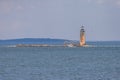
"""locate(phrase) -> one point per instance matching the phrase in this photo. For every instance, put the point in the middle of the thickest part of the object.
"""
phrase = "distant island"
(28, 41)
(48, 42)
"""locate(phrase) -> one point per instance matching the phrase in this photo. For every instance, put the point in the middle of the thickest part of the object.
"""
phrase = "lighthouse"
(82, 36)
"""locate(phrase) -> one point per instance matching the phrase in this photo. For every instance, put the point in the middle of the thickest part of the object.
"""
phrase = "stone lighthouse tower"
(82, 36)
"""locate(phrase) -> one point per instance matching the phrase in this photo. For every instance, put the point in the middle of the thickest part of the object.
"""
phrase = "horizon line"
(60, 39)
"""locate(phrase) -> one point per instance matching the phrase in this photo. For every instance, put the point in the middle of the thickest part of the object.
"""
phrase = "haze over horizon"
(60, 19)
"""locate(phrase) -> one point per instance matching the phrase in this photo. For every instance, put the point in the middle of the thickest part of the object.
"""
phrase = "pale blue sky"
(60, 19)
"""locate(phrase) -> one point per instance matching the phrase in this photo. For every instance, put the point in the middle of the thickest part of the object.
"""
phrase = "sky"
(60, 19)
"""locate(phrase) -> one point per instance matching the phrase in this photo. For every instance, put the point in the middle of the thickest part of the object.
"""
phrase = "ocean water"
(99, 61)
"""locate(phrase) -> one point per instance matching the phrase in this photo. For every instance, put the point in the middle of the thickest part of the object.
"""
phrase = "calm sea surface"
(98, 62)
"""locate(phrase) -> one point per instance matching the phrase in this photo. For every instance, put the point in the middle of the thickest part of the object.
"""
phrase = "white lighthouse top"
(82, 27)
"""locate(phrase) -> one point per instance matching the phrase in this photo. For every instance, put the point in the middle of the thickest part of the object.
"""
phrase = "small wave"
(104, 46)
(8, 46)
(11, 46)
